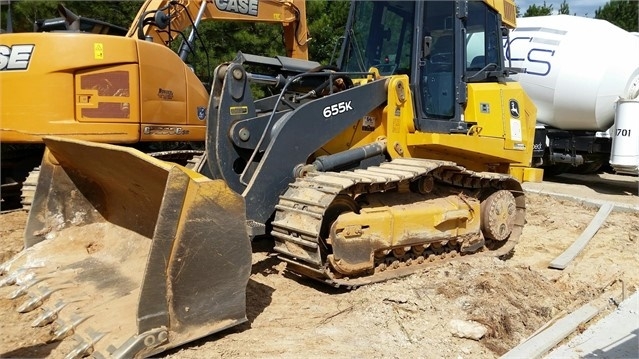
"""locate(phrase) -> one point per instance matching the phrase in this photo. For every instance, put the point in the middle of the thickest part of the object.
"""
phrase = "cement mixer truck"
(583, 76)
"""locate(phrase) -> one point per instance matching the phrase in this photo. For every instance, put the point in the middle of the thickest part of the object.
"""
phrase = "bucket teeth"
(19, 292)
(127, 245)
(36, 299)
(4, 267)
(20, 275)
(142, 342)
(82, 350)
(24, 288)
(8, 280)
(49, 315)
(11, 278)
(85, 348)
(67, 328)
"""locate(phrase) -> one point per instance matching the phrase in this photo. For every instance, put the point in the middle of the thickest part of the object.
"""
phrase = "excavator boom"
(290, 13)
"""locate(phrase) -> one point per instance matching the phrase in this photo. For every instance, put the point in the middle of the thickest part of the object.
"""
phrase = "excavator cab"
(68, 21)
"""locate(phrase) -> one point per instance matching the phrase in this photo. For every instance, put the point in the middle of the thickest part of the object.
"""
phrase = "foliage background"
(222, 39)
(623, 13)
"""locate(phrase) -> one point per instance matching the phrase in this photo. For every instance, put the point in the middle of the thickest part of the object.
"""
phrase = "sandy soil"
(408, 317)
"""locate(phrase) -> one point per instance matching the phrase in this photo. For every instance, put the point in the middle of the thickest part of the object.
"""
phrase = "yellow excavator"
(73, 79)
(408, 152)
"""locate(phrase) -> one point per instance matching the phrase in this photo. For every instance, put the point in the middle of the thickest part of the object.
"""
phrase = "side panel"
(173, 100)
(502, 111)
(487, 146)
(37, 83)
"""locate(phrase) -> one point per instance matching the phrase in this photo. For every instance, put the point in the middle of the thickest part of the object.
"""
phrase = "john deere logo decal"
(514, 108)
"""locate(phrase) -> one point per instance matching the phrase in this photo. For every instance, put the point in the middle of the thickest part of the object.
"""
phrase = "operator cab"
(441, 45)
(68, 21)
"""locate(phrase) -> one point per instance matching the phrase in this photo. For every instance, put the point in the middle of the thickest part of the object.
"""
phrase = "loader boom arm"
(298, 134)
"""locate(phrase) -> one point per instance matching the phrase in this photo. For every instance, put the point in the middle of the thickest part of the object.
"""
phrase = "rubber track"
(300, 211)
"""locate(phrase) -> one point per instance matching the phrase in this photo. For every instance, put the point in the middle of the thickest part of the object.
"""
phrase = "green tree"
(120, 13)
(564, 9)
(623, 13)
(536, 10)
(219, 42)
(326, 20)
(25, 13)
(222, 40)
(326, 23)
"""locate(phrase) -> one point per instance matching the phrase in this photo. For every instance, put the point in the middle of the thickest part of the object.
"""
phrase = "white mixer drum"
(625, 138)
(576, 69)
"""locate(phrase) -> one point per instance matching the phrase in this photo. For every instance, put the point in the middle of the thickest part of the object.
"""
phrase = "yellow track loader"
(409, 152)
(133, 89)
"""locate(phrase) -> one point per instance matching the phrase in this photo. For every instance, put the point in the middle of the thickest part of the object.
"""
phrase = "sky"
(579, 7)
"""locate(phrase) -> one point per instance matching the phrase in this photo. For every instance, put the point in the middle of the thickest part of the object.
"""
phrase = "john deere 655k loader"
(410, 152)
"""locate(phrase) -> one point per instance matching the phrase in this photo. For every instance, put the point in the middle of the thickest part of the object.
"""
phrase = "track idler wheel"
(498, 213)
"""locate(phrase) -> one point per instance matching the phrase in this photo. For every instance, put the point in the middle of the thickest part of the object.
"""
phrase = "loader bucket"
(130, 255)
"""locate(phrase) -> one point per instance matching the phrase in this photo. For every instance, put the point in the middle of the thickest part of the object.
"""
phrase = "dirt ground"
(408, 317)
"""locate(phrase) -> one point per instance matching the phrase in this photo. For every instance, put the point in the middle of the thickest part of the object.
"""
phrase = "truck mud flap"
(126, 255)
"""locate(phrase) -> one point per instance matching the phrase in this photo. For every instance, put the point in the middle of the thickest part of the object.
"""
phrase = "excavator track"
(182, 157)
(306, 211)
(28, 188)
